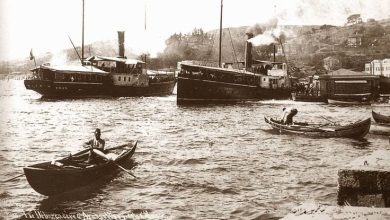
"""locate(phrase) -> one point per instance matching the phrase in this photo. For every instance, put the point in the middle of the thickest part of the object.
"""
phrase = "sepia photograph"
(195, 109)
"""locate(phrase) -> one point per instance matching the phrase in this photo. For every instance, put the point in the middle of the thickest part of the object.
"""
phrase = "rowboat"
(300, 97)
(72, 172)
(354, 130)
(347, 102)
(380, 118)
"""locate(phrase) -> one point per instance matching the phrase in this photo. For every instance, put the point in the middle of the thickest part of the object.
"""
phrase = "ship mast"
(82, 38)
(220, 37)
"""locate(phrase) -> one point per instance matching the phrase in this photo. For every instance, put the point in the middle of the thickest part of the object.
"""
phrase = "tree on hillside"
(354, 19)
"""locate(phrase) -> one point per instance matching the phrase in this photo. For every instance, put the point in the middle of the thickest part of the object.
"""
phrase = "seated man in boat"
(96, 143)
(288, 114)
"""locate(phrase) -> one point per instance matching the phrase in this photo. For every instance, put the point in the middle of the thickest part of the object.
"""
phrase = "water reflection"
(361, 144)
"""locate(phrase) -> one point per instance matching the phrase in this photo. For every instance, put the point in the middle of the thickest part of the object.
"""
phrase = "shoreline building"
(347, 85)
(380, 68)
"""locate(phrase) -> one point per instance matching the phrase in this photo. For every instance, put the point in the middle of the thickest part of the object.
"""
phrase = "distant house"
(380, 68)
(354, 41)
(331, 63)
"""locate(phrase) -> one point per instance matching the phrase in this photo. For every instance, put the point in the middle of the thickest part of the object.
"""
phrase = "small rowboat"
(354, 130)
(299, 97)
(347, 102)
(52, 178)
(381, 118)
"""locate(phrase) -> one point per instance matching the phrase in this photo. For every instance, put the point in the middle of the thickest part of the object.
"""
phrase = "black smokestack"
(248, 52)
(121, 43)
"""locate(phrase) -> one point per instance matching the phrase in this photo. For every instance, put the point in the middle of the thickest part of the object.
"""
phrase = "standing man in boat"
(96, 143)
(288, 114)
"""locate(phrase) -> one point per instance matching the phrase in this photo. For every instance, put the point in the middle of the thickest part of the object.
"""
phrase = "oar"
(328, 129)
(101, 154)
(327, 119)
(14, 178)
(321, 126)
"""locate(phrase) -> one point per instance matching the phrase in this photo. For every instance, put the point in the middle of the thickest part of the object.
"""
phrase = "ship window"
(119, 78)
(124, 78)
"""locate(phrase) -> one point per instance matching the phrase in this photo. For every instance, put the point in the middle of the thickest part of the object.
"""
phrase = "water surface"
(192, 162)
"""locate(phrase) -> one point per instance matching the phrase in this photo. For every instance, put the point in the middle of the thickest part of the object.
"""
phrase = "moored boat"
(100, 76)
(338, 101)
(255, 80)
(73, 172)
(354, 130)
(379, 118)
(203, 84)
(300, 97)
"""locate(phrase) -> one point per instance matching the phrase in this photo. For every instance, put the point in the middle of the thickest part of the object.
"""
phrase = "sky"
(44, 25)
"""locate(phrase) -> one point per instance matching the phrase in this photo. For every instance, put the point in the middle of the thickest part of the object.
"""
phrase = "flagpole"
(33, 57)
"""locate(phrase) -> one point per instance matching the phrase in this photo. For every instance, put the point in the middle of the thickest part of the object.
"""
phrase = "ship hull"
(154, 89)
(192, 91)
(50, 89)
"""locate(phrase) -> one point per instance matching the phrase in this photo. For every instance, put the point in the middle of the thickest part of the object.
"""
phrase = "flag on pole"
(31, 55)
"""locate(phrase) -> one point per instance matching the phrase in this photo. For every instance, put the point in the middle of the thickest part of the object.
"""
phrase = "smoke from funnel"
(255, 30)
(268, 37)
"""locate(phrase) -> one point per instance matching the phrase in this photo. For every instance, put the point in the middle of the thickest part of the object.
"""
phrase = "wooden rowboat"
(380, 118)
(347, 102)
(354, 130)
(52, 178)
(299, 97)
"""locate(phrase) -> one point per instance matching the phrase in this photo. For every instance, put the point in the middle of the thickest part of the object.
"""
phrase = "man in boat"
(288, 114)
(96, 143)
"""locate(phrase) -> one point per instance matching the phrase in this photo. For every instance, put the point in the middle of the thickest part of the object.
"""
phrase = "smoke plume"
(272, 34)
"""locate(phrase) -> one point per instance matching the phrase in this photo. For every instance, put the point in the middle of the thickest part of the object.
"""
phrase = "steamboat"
(257, 80)
(100, 76)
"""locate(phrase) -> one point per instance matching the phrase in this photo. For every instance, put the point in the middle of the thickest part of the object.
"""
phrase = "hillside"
(305, 47)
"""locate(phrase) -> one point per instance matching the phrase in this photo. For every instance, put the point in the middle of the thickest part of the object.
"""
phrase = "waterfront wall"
(366, 181)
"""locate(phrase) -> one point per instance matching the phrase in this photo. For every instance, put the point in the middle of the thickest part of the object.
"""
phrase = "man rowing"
(96, 143)
(287, 115)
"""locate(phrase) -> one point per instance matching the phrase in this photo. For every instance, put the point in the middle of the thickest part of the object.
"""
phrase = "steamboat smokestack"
(121, 43)
(248, 52)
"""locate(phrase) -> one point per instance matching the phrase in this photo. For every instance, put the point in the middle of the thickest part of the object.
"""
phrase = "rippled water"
(193, 162)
